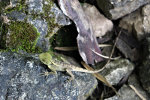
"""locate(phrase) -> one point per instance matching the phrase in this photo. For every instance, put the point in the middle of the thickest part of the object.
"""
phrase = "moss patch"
(3, 4)
(50, 17)
(3, 31)
(21, 6)
(23, 36)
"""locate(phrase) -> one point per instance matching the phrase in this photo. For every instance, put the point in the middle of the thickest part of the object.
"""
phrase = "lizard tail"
(85, 70)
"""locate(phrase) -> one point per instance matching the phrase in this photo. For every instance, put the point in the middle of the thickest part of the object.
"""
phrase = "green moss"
(3, 31)
(23, 36)
(20, 6)
(49, 19)
(22, 32)
(3, 4)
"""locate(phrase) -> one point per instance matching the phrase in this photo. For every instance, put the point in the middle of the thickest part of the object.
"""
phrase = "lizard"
(56, 65)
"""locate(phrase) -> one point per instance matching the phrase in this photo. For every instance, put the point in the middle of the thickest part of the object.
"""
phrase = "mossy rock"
(22, 36)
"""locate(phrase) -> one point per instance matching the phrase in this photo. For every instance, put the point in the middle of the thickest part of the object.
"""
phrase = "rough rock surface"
(144, 70)
(21, 79)
(138, 22)
(134, 80)
(129, 94)
(116, 70)
(43, 15)
(126, 94)
(115, 9)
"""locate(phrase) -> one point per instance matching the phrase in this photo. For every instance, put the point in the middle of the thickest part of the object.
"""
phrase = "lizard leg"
(53, 72)
(52, 69)
(70, 73)
(48, 73)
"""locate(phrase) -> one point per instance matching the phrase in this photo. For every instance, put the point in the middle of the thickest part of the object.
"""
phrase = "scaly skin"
(57, 65)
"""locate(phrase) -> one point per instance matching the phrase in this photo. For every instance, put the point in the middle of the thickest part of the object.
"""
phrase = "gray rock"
(146, 18)
(134, 80)
(115, 9)
(137, 22)
(144, 70)
(43, 15)
(126, 94)
(35, 6)
(21, 79)
(129, 94)
(116, 70)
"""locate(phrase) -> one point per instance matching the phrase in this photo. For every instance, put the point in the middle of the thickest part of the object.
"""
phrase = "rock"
(116, 9)
(128, 45)
(100, 24)
(127, 93)
(116, 70)
(20, 78)
(134, 80)
(34, 20)
(146, 18)
(144, 70)
(137, 22)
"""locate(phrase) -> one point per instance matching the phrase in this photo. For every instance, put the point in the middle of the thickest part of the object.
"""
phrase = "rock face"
(115, 9)
(21, 79)
(144, 70)
(34, 20)
(28, 26)
(127, 93)
(137, 23)
(116, 70)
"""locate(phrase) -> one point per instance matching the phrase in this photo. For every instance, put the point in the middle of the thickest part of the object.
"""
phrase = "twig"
(106, 57)
(137, 92)
(99, 77)
(111, 51)
(66, 48)
(75, 48)
(104, 45)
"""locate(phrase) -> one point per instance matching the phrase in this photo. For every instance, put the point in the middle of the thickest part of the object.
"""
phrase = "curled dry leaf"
(100, 24)
(85, 39)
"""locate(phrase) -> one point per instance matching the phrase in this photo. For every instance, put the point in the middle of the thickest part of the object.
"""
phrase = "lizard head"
(45, 58)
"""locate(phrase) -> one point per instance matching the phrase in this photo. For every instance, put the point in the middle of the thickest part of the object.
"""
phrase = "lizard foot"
(70, 73)
(69, 80)
(48, 73)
